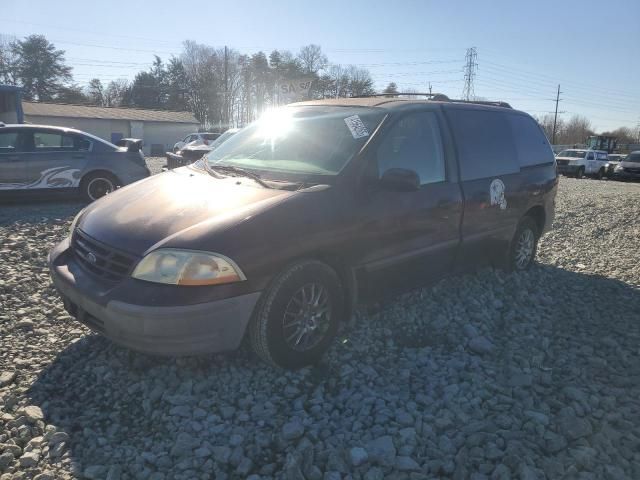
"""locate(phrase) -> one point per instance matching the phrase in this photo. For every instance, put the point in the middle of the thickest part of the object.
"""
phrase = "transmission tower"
(470, 68)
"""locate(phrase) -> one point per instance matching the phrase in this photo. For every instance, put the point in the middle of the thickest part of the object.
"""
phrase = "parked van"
(281, 230)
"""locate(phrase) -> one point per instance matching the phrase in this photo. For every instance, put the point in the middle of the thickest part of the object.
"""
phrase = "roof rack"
(439, 97)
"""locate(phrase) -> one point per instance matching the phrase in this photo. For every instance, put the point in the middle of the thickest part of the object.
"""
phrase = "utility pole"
(429, 88)
(226, 87)
(470, 67)
(555, 118)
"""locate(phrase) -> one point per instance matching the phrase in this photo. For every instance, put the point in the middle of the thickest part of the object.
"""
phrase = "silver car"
(46, 159)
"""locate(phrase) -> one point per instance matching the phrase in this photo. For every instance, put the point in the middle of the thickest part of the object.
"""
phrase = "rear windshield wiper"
(241, 172)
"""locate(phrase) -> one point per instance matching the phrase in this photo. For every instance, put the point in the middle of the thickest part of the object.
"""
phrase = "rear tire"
(97, 185)
(524, 245)
(298, 315)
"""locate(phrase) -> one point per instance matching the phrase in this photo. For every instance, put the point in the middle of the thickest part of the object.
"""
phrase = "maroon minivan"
(280, 231)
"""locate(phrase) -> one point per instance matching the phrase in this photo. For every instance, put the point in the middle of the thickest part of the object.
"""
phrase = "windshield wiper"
(241, 172)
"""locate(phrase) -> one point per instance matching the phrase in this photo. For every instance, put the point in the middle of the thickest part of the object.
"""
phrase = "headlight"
(618, 168)
(187, 267)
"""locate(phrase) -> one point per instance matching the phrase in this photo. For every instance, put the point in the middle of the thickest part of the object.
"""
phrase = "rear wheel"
(524, 245)
(298, 315)
(98, 184)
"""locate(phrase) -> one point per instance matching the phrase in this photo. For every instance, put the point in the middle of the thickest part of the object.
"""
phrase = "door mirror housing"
(400, 180)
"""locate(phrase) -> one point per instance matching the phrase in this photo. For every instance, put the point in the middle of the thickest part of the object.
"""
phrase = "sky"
(524, 49)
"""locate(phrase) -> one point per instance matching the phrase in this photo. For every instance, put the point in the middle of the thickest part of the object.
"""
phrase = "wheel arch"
(345, 272)
(96, 171)
(538, 215)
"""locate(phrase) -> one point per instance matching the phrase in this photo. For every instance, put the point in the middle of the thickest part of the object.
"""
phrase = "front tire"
(298, 315)
(524, 246)
(97, 185)
(580, 173)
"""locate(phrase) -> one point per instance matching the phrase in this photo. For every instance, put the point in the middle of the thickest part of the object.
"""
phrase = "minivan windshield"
(305, 140)
(573, 153)
(633, 158)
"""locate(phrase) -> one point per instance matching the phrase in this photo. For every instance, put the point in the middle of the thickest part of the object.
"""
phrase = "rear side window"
(485, 143)
(531, 144)
(8, 142)
(55, 142)
(414, 143)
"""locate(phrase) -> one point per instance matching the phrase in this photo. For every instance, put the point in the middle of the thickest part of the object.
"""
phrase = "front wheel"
(298, 315)
(580, 173)
(600, 174)
(523, 246)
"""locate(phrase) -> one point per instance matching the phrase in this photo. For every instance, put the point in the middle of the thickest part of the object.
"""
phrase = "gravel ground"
(488, 375)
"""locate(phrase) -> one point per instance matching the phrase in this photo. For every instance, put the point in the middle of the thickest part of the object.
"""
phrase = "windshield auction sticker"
(357, 128)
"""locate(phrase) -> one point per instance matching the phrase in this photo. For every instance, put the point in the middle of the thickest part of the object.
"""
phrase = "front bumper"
(209, 327)
(568, 169)
(626, 175)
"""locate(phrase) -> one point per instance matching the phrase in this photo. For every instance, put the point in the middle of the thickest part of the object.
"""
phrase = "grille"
(562, 162)
(100, 259)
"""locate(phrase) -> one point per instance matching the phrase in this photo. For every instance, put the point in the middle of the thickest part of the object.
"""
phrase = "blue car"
(46, 159)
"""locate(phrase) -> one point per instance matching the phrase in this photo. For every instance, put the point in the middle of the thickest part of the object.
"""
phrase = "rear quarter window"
(484, 142)
(532, 145)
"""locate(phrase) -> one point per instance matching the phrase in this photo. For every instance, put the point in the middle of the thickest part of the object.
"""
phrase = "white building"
(159, 129)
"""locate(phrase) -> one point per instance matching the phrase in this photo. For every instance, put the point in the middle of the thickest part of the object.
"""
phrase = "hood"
(182, 204)
(629, 164)
(569, 158)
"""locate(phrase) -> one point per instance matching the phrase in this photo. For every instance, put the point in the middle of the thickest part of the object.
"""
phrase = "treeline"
(221, 86)
(578, 128)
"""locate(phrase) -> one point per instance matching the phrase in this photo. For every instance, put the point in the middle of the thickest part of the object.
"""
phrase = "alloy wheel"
(524, 249)
(307, 317)
(99, 187)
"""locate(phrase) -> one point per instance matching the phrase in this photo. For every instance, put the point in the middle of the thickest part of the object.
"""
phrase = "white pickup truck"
(578, 163)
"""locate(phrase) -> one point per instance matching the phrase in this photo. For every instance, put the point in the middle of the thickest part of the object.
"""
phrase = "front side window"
(590, 156)
(414, 143)
(293, 141)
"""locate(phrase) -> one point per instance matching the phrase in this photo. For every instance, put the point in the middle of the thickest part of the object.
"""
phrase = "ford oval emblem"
(91, 258)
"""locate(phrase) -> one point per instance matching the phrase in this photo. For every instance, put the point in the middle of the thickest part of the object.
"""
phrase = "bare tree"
(576, 130)
(95, 92)
(312, 59)
(623, 134)
(116, 93)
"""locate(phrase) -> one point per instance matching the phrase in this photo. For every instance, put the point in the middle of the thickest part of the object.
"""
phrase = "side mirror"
(400, 180)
